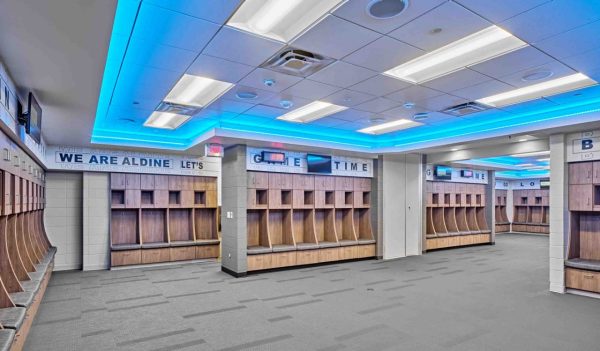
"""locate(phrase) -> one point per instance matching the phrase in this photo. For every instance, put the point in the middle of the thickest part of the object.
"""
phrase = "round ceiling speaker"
(246, 95)
(537, 75)
(385, 9)
(286, 104)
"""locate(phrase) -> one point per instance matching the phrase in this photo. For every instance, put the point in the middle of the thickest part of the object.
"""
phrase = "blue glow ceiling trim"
(112, 131)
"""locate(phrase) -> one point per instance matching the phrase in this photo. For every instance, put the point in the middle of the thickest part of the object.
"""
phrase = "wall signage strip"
(458, 175)
(295, 162)
(98, 160)
(583, 146)
(520, 184)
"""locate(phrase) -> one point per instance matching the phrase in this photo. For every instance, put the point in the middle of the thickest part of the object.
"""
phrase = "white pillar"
(559, 212)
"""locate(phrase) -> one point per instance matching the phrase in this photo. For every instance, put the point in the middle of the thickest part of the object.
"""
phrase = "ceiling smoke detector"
(286, 104)
(296, 62)
(385, 9)
(465, 109)
(537, 75)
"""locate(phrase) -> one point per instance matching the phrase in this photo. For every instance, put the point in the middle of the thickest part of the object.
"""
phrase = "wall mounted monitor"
(272, 157)
(33, 124)
(466, 173)
(442, 173)
(318, 163)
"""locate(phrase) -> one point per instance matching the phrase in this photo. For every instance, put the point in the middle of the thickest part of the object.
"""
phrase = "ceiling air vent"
(296, 62)
(178, 109)
(465, 109)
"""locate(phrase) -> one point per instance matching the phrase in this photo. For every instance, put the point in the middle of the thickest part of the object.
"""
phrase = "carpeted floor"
(477, 298)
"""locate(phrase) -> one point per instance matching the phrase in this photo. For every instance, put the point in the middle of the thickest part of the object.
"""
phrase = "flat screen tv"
(443, 172)
(466, 173)
(318, 163)
(33, 124)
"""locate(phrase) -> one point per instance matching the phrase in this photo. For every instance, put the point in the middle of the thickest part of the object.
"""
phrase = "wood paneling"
(183, 253)
(154, 226)
(258, 180)
(581, 197)
(147, 182)
(581, 173)
(180, 225)
(205, 223)
(124, 227)
(156, 255)
(125, 258)
(132, 181)
(207, 251)
(117, 181)
(582, 280)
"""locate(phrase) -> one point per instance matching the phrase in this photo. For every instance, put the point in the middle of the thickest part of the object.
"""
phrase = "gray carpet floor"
(476, 298)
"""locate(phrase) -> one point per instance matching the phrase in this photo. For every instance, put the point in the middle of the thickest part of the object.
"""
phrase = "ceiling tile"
(573, 42)
(342, 74)
(214, 11)
(265, 111)
(518, 60)
(351, 115)
(355, 11)
(403, 112)
(257, 77)
(414, 93)
(149, 53)
(377, 105)
(220, 69)
(586, 62)
(552, 18)
(173, 28)
(228, 105)
(441, 102)
(353, 125)
(536, 105)
(383, 54)
(328, 122)
(335, 37)
(498, 11)
(482, 90)
(238, 46)
(446, 17)
(310, 89)
(348, 98)
(145, 82)
(438, 117)
(380, 85)
(577, 96)
(262, 95)
(457, 80)
(558, 69)
(296, 101)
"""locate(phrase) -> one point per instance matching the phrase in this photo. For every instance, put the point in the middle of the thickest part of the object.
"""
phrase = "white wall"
(558, 212)
(400, 194)
(96, 223)
(63, 218)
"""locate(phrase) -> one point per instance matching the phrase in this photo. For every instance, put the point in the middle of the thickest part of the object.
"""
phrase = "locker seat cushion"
(579, 263)
(31, 285)
(120, 247)
(283, 248)
(182, 243)
(430, 236)
(208, 242)
(366, 241)
(348, 242)
(22, 299)
(441, 235)
(37, 275)
(466, 233)
(326, 244)
(307, 246)
(6, 339)
(257, 250)
(12, 317)
(487, 231)
(154, 245)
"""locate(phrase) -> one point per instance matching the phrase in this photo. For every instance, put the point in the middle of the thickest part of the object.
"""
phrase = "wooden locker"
(211, 183)
(132, 181)
(324, 183)
(147, 182)
(581, 197)
(187, 183)
(132, 198)
(258, 180)
(596, 169)
(117, 181)
(175, 182)
(199, 183)
(161, 198)
(344, 183)
(303, 182)
(187, 198)
(161, 182)
(581, 173)
(211, 198)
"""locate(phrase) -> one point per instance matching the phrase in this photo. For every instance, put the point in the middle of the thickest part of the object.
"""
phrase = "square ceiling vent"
(465, 109)
(297, 62)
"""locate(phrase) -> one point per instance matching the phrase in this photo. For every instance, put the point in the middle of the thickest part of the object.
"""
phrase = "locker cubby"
(325, 227)
(257, 228)
(309, 197)
(286, 197)
(147, 198)
(280, 230)
(329, 198)
(154, 226)
(124, 227)
(261, 197)
(117, 198)
(348, 198)
(200, 198)
(174, 198)
(180, 225)
(205, 224)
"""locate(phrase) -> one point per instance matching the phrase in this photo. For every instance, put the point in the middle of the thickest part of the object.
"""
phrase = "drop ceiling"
(155, 42)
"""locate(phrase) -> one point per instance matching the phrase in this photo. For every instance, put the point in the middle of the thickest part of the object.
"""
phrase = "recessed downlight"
(246, 95)
(537, 75)
(386, 9)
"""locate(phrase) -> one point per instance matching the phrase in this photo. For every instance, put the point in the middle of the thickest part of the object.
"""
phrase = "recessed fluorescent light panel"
(280, 20)
(390, 127)
(532, 92)
(311, 112)
(197, 91)
(475, 48)
(165, 120)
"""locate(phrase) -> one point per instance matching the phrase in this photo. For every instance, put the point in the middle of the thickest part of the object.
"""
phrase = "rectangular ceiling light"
(475, 48)
(530, 154)
(165, 120)
(281, 20)
(532, 92)
(311, 112)
(390, 127)
(197, 91)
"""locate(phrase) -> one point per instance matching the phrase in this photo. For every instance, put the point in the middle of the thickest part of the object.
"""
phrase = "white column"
(559, 213)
